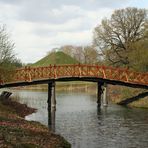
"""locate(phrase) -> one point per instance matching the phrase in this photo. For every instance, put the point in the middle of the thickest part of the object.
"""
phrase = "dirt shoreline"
(16, 132)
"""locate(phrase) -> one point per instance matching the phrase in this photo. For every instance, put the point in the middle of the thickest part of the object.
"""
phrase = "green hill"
(56, 58)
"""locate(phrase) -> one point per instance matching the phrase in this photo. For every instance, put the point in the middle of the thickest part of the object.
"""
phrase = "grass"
(56, 58)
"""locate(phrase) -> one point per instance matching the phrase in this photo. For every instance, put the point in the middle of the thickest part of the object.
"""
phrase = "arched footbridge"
(79, 72)
(50, 74)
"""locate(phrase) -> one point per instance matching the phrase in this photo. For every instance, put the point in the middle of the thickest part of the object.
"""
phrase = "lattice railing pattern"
(62, 71)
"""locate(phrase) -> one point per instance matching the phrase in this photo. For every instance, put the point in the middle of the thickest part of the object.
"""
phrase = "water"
(84, 126)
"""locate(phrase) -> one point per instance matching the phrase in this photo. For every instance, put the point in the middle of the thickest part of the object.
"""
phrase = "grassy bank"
(89, 87)
(119, 93)
(15, 132)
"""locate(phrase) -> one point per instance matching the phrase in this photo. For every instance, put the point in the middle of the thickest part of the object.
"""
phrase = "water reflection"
(78, 119)
(51, 118)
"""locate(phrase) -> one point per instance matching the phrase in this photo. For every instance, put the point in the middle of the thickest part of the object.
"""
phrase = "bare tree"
(68, 49)
(74, 51)
(7, 56)
(8, 61)
(90, 55)
(116, 35)
(83, 54)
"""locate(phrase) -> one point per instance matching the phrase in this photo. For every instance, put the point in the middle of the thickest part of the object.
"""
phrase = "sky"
(37, 26)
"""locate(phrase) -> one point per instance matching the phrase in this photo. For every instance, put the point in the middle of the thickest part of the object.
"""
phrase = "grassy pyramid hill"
(57, 58)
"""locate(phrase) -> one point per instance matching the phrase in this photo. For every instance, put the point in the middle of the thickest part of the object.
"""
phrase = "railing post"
(25, 72)
(104, 74)
(79, 70)
(55, 72)
(29, 74)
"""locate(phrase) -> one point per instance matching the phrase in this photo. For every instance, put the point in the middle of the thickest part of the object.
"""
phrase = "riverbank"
(15, 131)
(120, 93)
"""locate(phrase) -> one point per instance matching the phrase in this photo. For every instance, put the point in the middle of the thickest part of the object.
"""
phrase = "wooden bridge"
(101, 74)
(95, 73)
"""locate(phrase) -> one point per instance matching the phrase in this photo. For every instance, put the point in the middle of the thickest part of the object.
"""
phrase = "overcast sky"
(37, 26)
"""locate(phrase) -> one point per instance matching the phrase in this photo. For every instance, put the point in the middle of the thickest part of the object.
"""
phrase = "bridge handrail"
(77, 70)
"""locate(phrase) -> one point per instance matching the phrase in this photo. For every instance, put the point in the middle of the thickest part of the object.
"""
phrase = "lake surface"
(79, 121)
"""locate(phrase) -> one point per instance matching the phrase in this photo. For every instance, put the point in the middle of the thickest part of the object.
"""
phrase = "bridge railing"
(79, 70)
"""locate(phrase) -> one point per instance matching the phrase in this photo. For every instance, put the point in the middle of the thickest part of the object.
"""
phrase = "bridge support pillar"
(104, 95)
(99, 91)
(51, 104)
(53, 98)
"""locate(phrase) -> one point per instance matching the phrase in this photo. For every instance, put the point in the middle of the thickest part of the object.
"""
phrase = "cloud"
(54, 15)
(84, 21)
(58, 11)
(56, 3)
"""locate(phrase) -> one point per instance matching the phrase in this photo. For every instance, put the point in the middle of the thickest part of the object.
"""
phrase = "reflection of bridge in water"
(94, 73)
